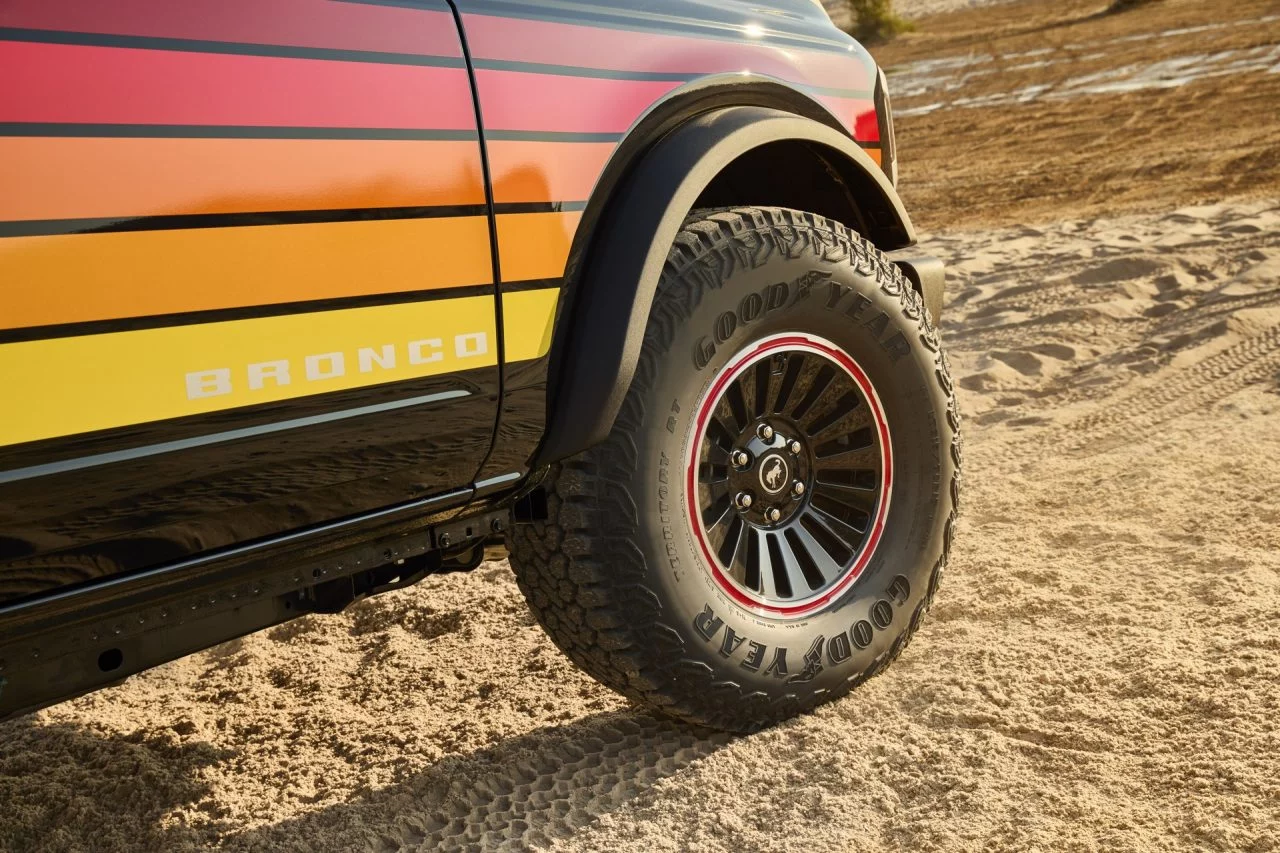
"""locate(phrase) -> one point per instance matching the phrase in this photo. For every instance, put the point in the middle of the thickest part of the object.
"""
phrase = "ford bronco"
(304, 300)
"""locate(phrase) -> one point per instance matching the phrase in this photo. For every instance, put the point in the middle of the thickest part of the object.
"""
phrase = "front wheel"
(767, 522)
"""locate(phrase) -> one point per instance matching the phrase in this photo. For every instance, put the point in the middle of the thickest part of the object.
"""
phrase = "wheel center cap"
(774, 473)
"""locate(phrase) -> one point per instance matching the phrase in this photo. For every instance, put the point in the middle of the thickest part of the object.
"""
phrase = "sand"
(1101, 670)
(1049, 110)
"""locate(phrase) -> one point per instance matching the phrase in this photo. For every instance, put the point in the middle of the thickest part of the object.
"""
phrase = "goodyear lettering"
(755, 656)
(854, 306)
(751, 309)
(812, 663)
(839, 648)
(707, 623)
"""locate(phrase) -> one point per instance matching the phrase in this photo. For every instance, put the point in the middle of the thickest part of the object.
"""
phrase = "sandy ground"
(1101, 670)
(1043, 111)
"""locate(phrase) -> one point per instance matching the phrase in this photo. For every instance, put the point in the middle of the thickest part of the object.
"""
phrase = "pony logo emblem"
(773, 474)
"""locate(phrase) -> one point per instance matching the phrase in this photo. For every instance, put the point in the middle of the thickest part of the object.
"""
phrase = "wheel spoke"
(795, 363)
(738, 404)
(817, 386)
(718, 435)
(710, 472)
(837, 548)
(714, 467)
(856, 449)
(820, 562)
(848, 413)
(836, 519)
(732, 543)
(716, 512)
(751, 568)
(863, 500)
(802, 573)
(768, 576)
(762, 381)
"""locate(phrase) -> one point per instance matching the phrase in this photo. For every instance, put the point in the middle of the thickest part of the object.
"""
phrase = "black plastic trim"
(927, 273)
(613, 288)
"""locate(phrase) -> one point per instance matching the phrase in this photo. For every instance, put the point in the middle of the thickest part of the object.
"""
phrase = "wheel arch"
(692, 151)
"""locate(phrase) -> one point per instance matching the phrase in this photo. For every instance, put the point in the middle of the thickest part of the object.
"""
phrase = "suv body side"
(290, 285)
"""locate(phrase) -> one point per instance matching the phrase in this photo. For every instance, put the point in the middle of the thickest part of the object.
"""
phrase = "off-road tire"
(614, 573)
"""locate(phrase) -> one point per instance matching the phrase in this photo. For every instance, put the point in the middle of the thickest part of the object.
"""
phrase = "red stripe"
(302, 23)
(65, 83)
(515, 100)
(857, 113)
(597, 47)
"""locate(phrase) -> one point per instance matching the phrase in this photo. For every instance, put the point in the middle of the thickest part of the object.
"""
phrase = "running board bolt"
(765, 432)
(743, 500)
(740, 458)
(773, 514)
(793, 446)
(797, 489)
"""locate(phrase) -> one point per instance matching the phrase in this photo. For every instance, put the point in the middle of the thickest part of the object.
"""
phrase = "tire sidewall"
(846, 304)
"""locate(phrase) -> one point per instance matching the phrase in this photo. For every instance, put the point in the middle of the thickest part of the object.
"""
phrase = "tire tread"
(584, 578)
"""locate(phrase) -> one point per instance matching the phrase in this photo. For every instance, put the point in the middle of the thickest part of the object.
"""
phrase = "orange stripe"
(82, 277)
(55, 178)
(874, 154)
(546, 171)
(535, 245)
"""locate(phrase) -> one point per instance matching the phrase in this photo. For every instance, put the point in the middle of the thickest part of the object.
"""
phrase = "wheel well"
(795, 174)
(733, 155)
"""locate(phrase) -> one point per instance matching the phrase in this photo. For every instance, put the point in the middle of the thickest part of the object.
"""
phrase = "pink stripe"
(303, 23)
(63, 83)
(515, 100)
(597, 47)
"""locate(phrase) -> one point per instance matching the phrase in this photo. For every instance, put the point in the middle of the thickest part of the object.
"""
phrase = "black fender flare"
(616, 285)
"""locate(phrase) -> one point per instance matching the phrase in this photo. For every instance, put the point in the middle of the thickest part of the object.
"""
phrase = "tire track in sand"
(1127, 418)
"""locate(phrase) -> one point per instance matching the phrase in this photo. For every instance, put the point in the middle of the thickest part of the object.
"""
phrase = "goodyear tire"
(767, 523)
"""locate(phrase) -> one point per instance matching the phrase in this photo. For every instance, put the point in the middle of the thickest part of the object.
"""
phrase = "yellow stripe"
(82, 277)
(65, 386)
(528, 319)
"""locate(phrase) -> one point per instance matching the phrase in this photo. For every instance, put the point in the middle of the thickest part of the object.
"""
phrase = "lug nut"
(793, 446)
(743, 500)
(740, 458)
(765, 431)
(797, 489)
(773, 514)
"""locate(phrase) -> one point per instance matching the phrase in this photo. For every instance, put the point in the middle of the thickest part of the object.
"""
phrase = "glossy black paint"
(93, 522)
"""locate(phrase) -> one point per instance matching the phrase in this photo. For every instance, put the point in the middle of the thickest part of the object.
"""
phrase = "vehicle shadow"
(522, 792)
(57, 779)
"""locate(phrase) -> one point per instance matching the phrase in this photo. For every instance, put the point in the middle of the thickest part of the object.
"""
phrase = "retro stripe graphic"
(94, 382)
(331, 156)
(132, 86)
(79, 178)
(302, 23)
(109, 276)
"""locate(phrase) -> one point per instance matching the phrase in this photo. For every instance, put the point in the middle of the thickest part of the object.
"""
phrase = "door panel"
(245, 281)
